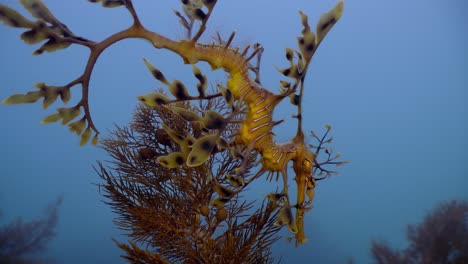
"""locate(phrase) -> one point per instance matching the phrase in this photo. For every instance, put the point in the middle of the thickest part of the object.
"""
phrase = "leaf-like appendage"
(204, 210)
(77, 126)
(277, 198)
(12, 18)
(193, 9)
(236, 181)
(292, 227)
(29, 97)
(201, 150)
(95, 140)
(51, 118)
(172, 134)
(214, 120)
(189, 139)
(223, 191)
(305, 22)
(185, 114)
(289, 54)
(307, 44)
(177, 88)
(53, 44)
(291, 72)
(227, 94)
(310, 191)
(221, 214)
(49, 98)
(202, 81)
(219, 202)
(173, 160)
(65, 94)
(85, 136)
(109, 3)
(154, 99)
(36, 34)
(155, 72)
(285, 217)
(197, 3)
(68, 114)
(38, 10)
(295, 99)
(329, 19)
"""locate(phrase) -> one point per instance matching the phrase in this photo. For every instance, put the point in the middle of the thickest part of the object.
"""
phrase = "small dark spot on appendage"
(301, 41)
(42, 87)
(228, 95)
(158, 75)
(38, 52)
(286, 72)
(179, 160)
(51, 41)
(193, 159)
(215, 123)
(164, 162)
(180, 91)
(200, 14)
(35, 5)
(299, 116)
(226, 193)
(200, 78)
(328, 24)
(185, 2)
(215, 149)
(279, 196)
(206, 146)
(200, 90)
(288, 56)
(310, 47)
(296, 99)
(159, 101)
(30, 34)
(12, 21)
(209, 1)
(297, 73)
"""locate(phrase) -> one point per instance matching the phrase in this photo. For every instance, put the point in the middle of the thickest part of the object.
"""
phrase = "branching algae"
(251, 105)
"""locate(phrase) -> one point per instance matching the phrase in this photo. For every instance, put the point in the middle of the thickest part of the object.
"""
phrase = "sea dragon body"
(255, 132)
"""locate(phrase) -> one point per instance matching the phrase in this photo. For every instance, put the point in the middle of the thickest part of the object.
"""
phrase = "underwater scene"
(204, 131)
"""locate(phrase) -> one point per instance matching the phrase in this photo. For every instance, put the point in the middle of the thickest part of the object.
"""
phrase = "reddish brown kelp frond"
(183, 214)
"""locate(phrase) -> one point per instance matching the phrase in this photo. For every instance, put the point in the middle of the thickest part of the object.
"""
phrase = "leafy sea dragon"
(245, 96)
